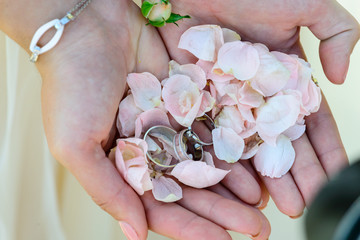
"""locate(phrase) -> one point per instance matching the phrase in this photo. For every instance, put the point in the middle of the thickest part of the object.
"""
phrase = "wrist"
(20, 19)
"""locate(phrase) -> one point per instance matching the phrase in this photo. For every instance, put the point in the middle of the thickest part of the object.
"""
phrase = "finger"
(338, 32)
(325, 138)
(229, 214)
(307, 171)
(266, 228)
(175, 222)
(223, 191)
(239, 181)
(264, 192)
(285, 194)
(102, 181)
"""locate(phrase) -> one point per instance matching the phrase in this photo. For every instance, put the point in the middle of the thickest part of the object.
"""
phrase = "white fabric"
(39, 199)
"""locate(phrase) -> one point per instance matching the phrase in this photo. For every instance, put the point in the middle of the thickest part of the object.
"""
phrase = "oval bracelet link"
(35, 49)
(58, 24)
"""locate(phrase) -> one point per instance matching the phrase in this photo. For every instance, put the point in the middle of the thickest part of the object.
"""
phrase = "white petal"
(295, 131)
(276, 115)
(228, 145)
(276, 161)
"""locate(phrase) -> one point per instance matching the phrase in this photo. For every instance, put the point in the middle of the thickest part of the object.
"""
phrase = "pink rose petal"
(226, 88)
(166, 190)
(272, 75)
(301, 80)
(213, 74)
(239, 59)
(198, 174)
(246, 112)
(248, 96)
(150, 118)
(130, 159)
(139, 179)
(146, 89)
(311, 101)
(292, 65)
(276, 161)
(202, 41)
(230, 117)
(207, 103)
(196, 73)
(128, 112)
(250, 129)
(182, 99)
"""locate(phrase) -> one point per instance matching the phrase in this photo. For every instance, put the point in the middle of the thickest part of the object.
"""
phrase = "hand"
(320, 152)
(83, 83)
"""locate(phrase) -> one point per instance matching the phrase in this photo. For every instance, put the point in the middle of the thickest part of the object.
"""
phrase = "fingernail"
(259, 203)
(128, 231)
(295, 217)
(262, 207)
(252, 236)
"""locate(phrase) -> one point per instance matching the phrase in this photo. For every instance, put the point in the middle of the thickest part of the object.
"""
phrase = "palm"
(276, 24)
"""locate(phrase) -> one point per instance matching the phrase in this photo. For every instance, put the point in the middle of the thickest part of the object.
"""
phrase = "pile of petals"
(257, 98)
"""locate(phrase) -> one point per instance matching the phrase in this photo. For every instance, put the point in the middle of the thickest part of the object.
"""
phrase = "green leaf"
(157, 23)
(165, 1)
(146, 8)
(176, 17)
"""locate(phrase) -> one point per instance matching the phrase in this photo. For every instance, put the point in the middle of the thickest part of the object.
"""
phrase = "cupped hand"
(320, 152)
(84, 79)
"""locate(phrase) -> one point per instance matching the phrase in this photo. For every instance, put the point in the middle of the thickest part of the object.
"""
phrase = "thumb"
(102, 181)
(338, 31)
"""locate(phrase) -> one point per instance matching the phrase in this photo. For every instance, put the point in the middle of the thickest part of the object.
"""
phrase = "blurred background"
(59, 207)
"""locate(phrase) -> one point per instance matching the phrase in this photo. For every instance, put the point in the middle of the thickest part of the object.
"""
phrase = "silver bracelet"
(58, 24)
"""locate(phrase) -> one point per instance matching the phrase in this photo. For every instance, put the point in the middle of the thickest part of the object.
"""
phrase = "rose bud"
(156, 10)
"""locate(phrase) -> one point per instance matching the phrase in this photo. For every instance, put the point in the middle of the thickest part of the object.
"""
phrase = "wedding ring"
(188, 146)
(164, 133)
(209, 123)
(185, 145)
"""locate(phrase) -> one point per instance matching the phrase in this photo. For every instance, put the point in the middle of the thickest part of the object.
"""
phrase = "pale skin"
(84, 81)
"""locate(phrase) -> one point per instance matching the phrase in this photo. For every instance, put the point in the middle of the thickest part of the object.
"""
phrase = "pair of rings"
(186, 145)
